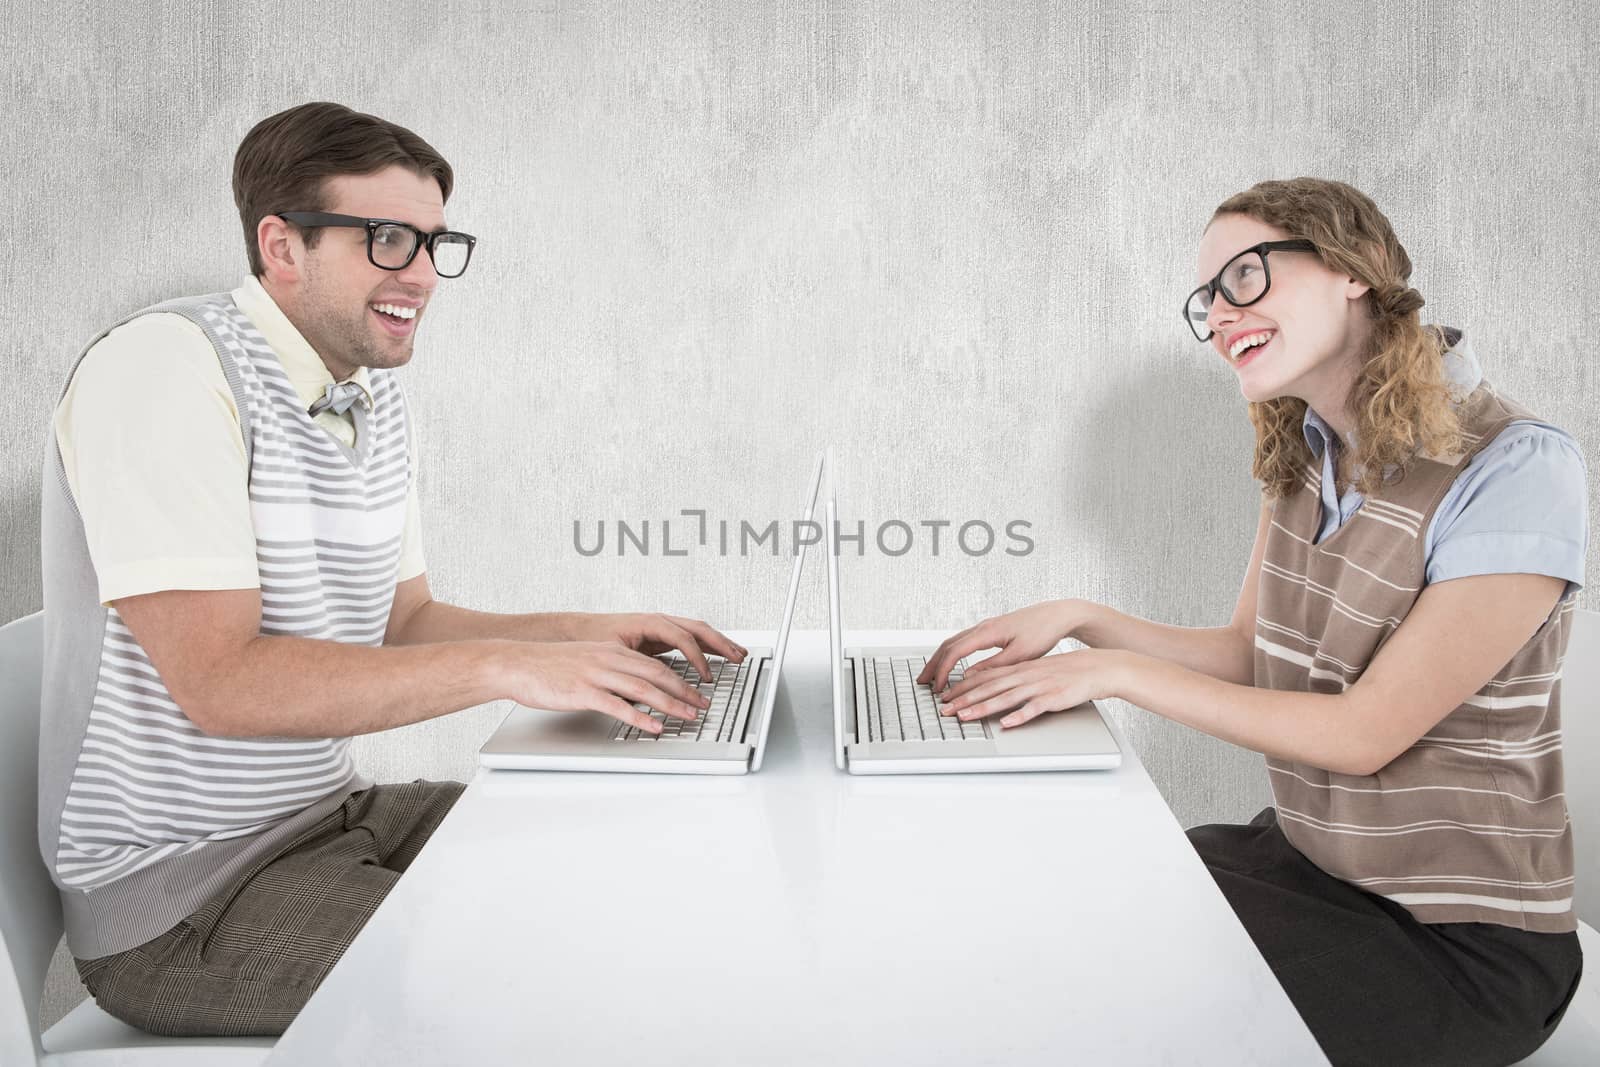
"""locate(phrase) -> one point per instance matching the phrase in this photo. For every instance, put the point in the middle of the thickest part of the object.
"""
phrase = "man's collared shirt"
(154, 455)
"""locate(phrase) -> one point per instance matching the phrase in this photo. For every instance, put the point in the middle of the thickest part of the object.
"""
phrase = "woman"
(1393, 653)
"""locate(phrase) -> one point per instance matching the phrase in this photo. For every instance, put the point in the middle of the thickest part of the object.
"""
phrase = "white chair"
(1576, 1042)
(30, 909)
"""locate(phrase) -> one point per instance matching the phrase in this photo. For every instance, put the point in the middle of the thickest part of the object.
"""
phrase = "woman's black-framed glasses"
(392, 245)
(1242, 281)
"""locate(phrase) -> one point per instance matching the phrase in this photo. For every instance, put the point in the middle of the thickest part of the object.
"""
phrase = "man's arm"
(233, 681)
(417, 618)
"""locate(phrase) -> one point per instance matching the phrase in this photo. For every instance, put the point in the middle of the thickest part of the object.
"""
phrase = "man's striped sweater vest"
(142, 816)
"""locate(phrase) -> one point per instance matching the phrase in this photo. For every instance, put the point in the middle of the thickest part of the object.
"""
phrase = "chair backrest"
(1580, 757)
(30, 909)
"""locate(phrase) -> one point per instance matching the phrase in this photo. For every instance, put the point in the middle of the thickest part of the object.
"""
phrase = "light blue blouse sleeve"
(1520, 506)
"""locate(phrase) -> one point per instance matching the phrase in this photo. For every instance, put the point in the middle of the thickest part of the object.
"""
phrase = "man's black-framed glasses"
(1242, 281)
(392, 245)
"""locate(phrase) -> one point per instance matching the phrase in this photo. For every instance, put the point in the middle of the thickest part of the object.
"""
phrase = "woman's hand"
(1028, 690)
(1025, 634)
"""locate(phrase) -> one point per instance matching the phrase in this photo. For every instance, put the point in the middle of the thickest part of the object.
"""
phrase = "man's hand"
(652, 633)
(598, 676)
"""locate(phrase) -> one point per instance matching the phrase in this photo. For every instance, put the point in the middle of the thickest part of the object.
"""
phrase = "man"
(234, 585)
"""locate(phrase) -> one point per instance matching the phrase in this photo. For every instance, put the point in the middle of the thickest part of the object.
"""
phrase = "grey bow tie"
(339, 398)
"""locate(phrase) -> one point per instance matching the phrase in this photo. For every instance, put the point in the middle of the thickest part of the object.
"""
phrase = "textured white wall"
(951, 241)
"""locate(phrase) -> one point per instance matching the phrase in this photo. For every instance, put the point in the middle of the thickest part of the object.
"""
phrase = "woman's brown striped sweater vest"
(1470, 823)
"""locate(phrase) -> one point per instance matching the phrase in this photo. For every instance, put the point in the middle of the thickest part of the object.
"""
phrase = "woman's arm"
(1456, 637)
(1219, 652)
(1226, 653)
(1512, 527)
(1223, 652)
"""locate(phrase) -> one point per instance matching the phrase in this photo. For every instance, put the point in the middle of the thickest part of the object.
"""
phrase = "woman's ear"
(1373, 253)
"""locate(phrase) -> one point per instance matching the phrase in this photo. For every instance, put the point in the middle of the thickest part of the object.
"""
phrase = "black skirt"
(1374, 985)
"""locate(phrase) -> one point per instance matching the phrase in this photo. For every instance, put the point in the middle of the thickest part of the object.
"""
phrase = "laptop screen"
(835, 624)
(782, 644)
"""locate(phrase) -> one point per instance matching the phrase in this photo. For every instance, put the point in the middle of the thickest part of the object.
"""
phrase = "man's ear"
(282, 250)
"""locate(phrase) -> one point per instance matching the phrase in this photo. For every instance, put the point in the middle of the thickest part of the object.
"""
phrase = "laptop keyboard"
(724, 687)
(898, 709)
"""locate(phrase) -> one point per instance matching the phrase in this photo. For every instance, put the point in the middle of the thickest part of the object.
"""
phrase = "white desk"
(801, 915)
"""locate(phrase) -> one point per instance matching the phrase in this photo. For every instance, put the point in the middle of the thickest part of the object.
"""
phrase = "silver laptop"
(729, 737)
(885, 723)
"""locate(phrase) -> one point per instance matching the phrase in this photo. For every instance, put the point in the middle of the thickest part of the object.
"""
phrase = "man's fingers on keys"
(663, 632)
(680, 638)
(657, 674)
(646, 691)
(614, 706)
(712, 638)
(666, 679)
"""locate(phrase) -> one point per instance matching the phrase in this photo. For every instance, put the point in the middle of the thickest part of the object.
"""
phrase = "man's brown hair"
(283, 163)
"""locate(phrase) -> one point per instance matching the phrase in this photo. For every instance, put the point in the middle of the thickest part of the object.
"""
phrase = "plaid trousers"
(249, 959)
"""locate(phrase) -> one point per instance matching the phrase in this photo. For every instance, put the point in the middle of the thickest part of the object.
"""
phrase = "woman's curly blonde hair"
(1400, 401)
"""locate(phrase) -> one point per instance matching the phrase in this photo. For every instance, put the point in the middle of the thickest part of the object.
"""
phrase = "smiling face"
(1303, 338)
(332, 292)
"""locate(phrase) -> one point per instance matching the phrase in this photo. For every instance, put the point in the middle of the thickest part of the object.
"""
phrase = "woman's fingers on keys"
(1007, 655)
(972, 690)
(958, 690)
(930, 669)
(1006, 700)
(1030, 709)
(937, 672)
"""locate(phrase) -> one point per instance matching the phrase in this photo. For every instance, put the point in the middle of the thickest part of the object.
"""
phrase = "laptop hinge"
(741, 721)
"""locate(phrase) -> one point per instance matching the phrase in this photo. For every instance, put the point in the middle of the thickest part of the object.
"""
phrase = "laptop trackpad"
(530, 730)
(1076, 730)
